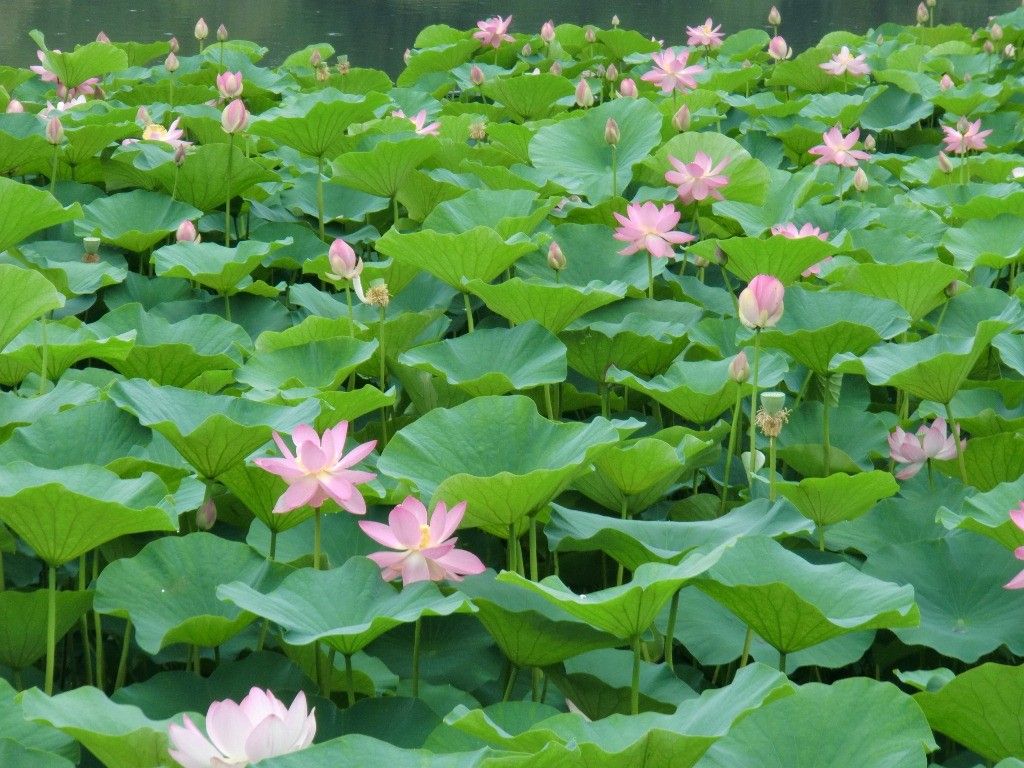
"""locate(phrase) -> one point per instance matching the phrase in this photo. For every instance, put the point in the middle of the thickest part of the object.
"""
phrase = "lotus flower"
(15, 107)
(627, 88)
(913, 451)
(88, 87)
(790, 231)
(739, 368)
(344, 262)
(1017, 515)
(839, 149)
(698, 180)
(649, 228)
(704, 35)
(239, 734)
(547, 31)
(946, 82)
(671, 73)
(968, 137)
(426, 547)
(419, 121)
(494, 31)
(844, 62)
(187, 233)
(235, 117)
(779, 49)
(156, 132)
(319, 470)
(229, 84)
(760, 303)
(201, 31)
(54, 131)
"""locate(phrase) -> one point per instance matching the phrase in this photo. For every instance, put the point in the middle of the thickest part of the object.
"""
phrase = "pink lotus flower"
(229, 84)
(648, 228)
(844, 62)
(40, 69)
(419, 121)
(914, 450)
(187, 233)
(968, 137)
(627, 88)
(739, 368)
(344, 262)
(51, 110)
(760, 303)
(102, 37)
(790, 231)
(235, 117)
(239, 734)
(319, 470)
(54, 131)
(1017, 515)
(547, 31)
(779, 49)
(88, 87)
(201, 31)
(584, 94)
(494, 31)
(698, 180)
(15, 107)
(671, 73)
(426, 546)
(705, 35)
(839, 149)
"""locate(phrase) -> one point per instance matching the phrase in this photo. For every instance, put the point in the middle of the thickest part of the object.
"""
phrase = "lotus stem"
(510, 684)
(964, 177)
(670, 632)
(623, 515)
(535, 685)
(1, 570)
(350, 682)
(821, 537)
(44, 355)
(51, 627)
(955, 428)
(227, 201)
(351, 316)
(83, 623)
(101, 670)
(771, 469)
(753, 408)
(733, 429)
(782, 662)
(320, 194)
(634, 689)
(273, 546)
(394, 211)
(747, 640)
(512, 565)
(227, 307)
(469, 312)
(383, 378)
(547, 402)
(650, 276)
(316, 540)
(170, 91)
(417, 631)
(328, 674)
(53, 170)
(534, 570)
(615, 171)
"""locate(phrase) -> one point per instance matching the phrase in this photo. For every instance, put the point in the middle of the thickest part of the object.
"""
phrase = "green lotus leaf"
(981, 709)
(552, 305)
(354, 748)
(987, 513)
(86, 141)
(212, 432)
(505, 211)
(136, 220)
(67, 342)
(63, 513)
(894, 110)
(793, 604)
(591, 256)
(854, 435)
(204, 180)
(301, 371)
(782, 257)
(340, 203)
(479, 253)
(306, 607)
(437, 58)
(573, 152)
(635, 542)
(918, 287)
(345, 405)
(889, 731)
(61, 263)
(452, 454)
(384, 170)
(17, 411)
(168, 590)
(748, 177)
(493, 361)
(23, 632)
(13, 753)
(225, 270)
(967, 622)
(991, 460)
(77, 66)
(28, 735)
(838, 497)
(28, 295)
(23, 144)
(528, 97)
(986, 242)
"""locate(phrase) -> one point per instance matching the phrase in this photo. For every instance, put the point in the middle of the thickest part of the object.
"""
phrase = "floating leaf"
(136, 220)
(384, 169)
(27, 296)
(225, 270)
(838, 497)
(552, 305)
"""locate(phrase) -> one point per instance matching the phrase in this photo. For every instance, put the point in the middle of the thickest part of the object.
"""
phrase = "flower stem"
(98, 628)
(417, 631)
(227, 201)
(53, 171)
(351, 317)
(383, 379)
(547, 402)
(350, 682)
(733, 429)
(122, 664)
(650, 276)
(170, 91)
(771, 469)
(316, 540)
(534, 569)
(511, 683)
(826, 442)
(320, 193)
(955, 428)
(753, 407)
(634, 689)
(83, 623)
(44, 355)
(51, 627)
(748, 638)
(469, 312)
(615, 171)
(670, 632)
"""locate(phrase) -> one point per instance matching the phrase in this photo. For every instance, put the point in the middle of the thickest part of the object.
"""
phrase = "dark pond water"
(374, 33)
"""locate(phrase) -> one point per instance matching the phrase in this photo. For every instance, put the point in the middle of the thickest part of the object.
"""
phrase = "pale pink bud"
(615, 21)
(612, 73)
(344, 262)
(171, 62)
(860, 180)
(739, 368)
(547, 31)
(173, 43)
(778, 49)
(407, 56)
(235, 117)
(206, 515)
(556, 68)
(202, 31)
(774, 17)
(315, 59)
(995, 32)
(1009, 51)
(760, 303)
(527, 50)
(945, 83)
(15, 107)
(944, 164)
(222, 33)
(230, 84)
(187, 233)
(556, 259)
(179, 154)
(952, 289)
(922, 13)
(611, 132)
(102, 37)
(476, 75)
(627, 88)
(869, 143)
(987, 46)
(590, 34)
(55, 131)
(681, 119)
(584, 96)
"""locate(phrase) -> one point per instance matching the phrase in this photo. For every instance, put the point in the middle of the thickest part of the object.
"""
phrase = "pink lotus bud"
(869, 143)
(774, 17)
(476, 75)
(556, 259)
(860, 180)
(1017, 173)
(527, 50)
(995, 32)
(945, 83)
(584, 96)
(547, 31)
(179, 154)
(944, 164)
(987, 46)
(171, 63)
(55, 131)
(345, 265)
(880, 39)
(202, 31)
(922, 13)
(206, 515)
(612, 73)
(952, 289)
(1009, 51)
(681, 119)
(627, 88)
(222, 33)
(173, 43)
(229, 84)
(760, 303)
(187, 233)
(739, 368)
(611, 132)
(778, 49)
(590, 34)
(15, 107)
(407, 56)
(556, 68)
(615, 21)
(315, 59)
(478, 131)
(235, 117)
(102, 37)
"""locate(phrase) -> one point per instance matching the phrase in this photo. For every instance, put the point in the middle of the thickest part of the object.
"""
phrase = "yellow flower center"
(424, 536)
(154, 132)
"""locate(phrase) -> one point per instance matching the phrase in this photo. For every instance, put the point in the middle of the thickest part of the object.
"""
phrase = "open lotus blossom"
(426, 547)
(494, 31)
(760, 303)
(53, 110)
(671, 73)
(1017, 515)
(844, 62)
(789, 230)
(419, 121)
(649, 228)
(913, 450)
(698, 180)
(705, 35)
(319, 470)
(229, 84)
(839, 149)
(156, 132)
(963, 138)
(258, 727)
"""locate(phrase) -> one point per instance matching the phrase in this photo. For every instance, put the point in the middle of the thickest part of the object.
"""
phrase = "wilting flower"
(419, 122)
(704, 35)
(844, 62)
(627, 88)
(839, 149)
(760, 303)
(319, 470)
(229, 84)
(649, 228)
(789, 230)
(779, 49)
(235, 117)
(698, 180)
(345, 265)
(671, 72)
(239, 734)
(913, 450)
(426, 546)
(1017, 515)
(739, 368)
(968, 137)
(494, 31)
(547, 31)
(187, 233)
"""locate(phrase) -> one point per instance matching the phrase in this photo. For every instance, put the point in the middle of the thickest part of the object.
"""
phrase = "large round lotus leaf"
(136, 220)
(303, 370)
(63, 513)
(493, 361)
(168, 590)
(855, 436)
(838, 497)
(27, 294)
(793, 604)
(982, 708)
(505, 211)
(13, 753)
(818, 325)
(748, 177)
(591, 256)
(881, 727)
(967, 618)
(497, 453)
(916, 286)
(987, 513)
(204, 182)
(635, 542)
(27, 209)
(384, 169)
(782, 257)
(23, 145)
(16, 411)
(528, 96)
(85, 141)
(552, 305)
(23, 630)
(527, 628)
(90, 60)
(574, 153)
(991, 460)
(225, 270)
(306, 605)
(61, 263)
(68, 341)
(355, 749)
(986, 242)
(28, 734)
(340, 203)
(212, 432)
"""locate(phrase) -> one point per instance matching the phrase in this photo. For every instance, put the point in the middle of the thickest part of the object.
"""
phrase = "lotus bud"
(222, 33)
(527, 50)
(343, 65)
(206, 515)
(700, 262)
(869, 143)
(779, 49)
(235, 117)
(760, 303)
(922, 13)
(944, 164)
(612, 73)
(171, 62)
(1017, 173)
(15, 107)
(179, 155)
(476, 75)
(556, 68)
(584, 96)
(173, 44)
(739, 368)
(478, 131)
(615, 21)
(556, 259)
(547, 31)
(860, 180)
(590, 34)
(987, 47)
(721, 257)
(315, 58)
(774, 17)
(995, 32)
(407, 56)
(611, 132)
(945, 83)
(55, 131)
(345, 265)
(187, 233)
(681, 119)
(952, 289)
(102, 37)
(627, 88)
(1009, 51)
(230, 85)
(202, 31)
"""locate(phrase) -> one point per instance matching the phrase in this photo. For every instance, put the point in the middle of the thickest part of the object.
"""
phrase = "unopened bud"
(946, 82)
(179, 155)
(315, 58)
(476, 75)
(615, 20)
(102, 37)
(527, 50)
(612, 73)
(556, 68)
(739, 368)
(407, 56)
(944, 164)
(869, 142)
(547, 31)
(922, 13)
(584, 96)
(774, 17)
(721, 257)
(995, 32)
(15, 107)
(1009, 51)
(222, 33)
(952, 289)
(173, 43)
(556, 259)
(627, 88)
(187, 233)
(206, 515)
(590, 34)
(201, 31)
(987, 46)
(55, 131)
(930, 3)
(681, 119)
(860, 180)
(611, 132)
(171, 62)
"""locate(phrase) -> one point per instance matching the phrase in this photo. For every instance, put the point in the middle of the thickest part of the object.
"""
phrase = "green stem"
(394, 212)
(753, 407)
(634, 688)
(733, 429)
(782, 662)
(826, 443)
(53, 170)
(650, 276)
(350, 683)
(748, 638)
(83, 623)
(803, 390)
(316, 540)
(547, 405)
(771, 469)
(417, 631)
(227, 307)
(170, 91)
(101, 671)
(963, 168)
(351, 316)
(469, 312)
(512, 565)
(670, 632)
(955, 429)
(328, 676)
(534, 570)
(44, 362)
(821, 538)
(273, 546)
(623, 515)
(227, 201)
(615, 171)
(320, 193)
(51, 627)
(535, 685)
(383, 380)
(122, 664)
(510, 684)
